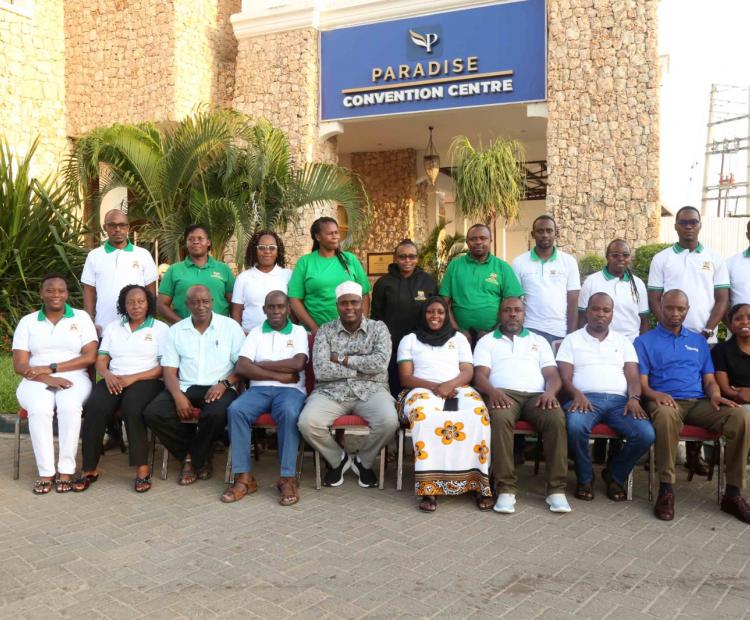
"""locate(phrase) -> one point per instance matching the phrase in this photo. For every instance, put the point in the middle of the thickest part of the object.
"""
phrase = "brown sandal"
(485, 502)
(615, 491)
(187, 475)
(287, 486)
(584, 491)
(428, 503)
(205, 472)
(238, 490)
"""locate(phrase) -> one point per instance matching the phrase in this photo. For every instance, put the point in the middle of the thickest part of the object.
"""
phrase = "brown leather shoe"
(736, 506)
(287, 487)
(664, 508)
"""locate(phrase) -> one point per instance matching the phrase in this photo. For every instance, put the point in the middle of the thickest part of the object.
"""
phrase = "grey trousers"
(320, 412)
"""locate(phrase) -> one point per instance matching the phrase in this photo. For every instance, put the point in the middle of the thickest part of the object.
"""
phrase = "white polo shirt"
(109, 269)
(515, 364)
(738, 267)
(203, 359)
(437, 364)
(697, 273)
(545, 287)
(135, 351)
(251, 288)
(627, 312)
(265, 344)
(598, 365)
(49, 343)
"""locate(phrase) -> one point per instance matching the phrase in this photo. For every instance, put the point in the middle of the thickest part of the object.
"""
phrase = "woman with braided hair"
(265, 271)
(317, 274)
(630, 315)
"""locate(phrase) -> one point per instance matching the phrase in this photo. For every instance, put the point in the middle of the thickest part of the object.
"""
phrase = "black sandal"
(42, 487)
(84, 482)
(428, 504)
(584, 491)
(485, 502)
(141, 485)
(615, 491)
(63, 486)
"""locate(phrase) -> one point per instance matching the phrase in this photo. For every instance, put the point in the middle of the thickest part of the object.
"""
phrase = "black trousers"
(99, 411)
(182, 438)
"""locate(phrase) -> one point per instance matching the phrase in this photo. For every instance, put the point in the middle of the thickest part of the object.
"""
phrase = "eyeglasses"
(688, 222)
(406, 256)
(114, 225)
(267, 247)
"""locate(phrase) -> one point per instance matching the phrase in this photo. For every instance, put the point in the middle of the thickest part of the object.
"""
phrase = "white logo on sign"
(427, 41)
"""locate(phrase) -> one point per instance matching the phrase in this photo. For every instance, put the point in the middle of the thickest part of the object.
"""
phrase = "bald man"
(199, 379)
(112, 266)
(678, 387)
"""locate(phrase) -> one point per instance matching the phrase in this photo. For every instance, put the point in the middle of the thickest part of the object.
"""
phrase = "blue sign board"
(483, 56)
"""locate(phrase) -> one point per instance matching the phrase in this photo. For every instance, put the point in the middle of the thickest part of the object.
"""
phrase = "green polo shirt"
(314, 281)
(476, 290)
(215, 275)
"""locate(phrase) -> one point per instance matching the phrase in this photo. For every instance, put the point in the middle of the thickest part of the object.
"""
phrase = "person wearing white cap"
(350, 362)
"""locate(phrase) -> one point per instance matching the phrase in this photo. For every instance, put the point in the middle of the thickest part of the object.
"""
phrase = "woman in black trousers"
(128, 362)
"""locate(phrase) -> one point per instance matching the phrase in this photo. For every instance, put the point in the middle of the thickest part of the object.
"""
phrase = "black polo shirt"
(729, 358)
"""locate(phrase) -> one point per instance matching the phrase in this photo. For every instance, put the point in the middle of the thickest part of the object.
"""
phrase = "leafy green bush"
(643, 257)
(40, 233)
(439, 250)
(591, 263)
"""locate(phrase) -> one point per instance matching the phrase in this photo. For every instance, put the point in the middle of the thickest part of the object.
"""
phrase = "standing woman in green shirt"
(317, 274)
(199, 267)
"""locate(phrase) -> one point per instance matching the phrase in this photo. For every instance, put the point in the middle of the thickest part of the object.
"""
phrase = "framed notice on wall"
(377, 263)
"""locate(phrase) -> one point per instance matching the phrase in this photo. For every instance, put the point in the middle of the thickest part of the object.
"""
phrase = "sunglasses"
(406, 256)
(267, 247)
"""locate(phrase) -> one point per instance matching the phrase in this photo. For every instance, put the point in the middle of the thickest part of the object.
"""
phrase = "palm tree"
(488, 183)
(214, 167)
(440, 249)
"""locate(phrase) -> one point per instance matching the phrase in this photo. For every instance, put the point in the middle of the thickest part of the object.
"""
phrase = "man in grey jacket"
(350, 361)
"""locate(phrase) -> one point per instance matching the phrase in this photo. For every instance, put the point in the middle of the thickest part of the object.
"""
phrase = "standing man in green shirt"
(199, 267)
(475, 283)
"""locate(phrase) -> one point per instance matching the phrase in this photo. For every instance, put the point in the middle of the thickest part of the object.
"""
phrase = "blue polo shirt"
(674, 365)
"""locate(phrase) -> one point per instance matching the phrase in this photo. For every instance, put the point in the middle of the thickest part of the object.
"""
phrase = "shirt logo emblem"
(451, 344)
(692, 349)
(136, 265)
(534, 348)
(217, 275)
(707, 266)
(290, 344)
(492, 278)
(420, 296)
(74, 327)
(148, 338)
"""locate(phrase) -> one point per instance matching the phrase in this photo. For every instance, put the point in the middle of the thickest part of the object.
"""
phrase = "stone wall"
(602, 133)
(32, 83)
(390, 180)
(277, 79)
(130, 61)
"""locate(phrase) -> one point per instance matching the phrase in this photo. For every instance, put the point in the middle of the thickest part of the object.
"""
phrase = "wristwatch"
(225, 383)
(708, 333)
(53, 367)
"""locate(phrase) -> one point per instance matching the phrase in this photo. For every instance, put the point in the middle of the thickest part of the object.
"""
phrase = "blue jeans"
(284, 404)
(608, 409)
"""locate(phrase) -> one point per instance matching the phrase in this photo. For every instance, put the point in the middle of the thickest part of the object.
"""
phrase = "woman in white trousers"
(52, 349)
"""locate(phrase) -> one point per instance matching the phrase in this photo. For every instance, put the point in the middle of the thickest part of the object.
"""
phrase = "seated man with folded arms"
(273, 358)
(599, 370)
(198, 371)
(350, 361)
(515, 371)
(679, 387)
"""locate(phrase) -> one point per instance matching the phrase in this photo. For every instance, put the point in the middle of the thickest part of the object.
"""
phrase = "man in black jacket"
(397, 298)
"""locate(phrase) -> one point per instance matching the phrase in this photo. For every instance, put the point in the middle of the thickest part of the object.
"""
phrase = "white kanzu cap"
(348, 288)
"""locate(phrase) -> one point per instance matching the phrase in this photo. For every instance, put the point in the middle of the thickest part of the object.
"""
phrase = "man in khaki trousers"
(515, 370)
(679, 387)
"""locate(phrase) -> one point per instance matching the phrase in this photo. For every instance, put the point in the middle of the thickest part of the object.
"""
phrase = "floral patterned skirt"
(451, 448)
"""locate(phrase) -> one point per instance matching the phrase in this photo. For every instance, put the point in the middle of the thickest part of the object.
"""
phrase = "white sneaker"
(557, 502)
(505, 503)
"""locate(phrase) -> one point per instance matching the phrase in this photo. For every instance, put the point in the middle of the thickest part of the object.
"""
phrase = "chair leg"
(17, 448)
(651, 472)
(629, 486)
(538, 454)
(164, 461)
(300, 458)
(151, 450)
(400, 460)
(383, 457)
(722, 474)
(228, 468)
(714, 461)
(318, 484)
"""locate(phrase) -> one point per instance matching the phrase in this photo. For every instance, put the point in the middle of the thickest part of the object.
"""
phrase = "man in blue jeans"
(599, 370)
(273, 357)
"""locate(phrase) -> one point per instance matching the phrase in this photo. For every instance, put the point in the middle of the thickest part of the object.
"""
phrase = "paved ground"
(349, 552)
